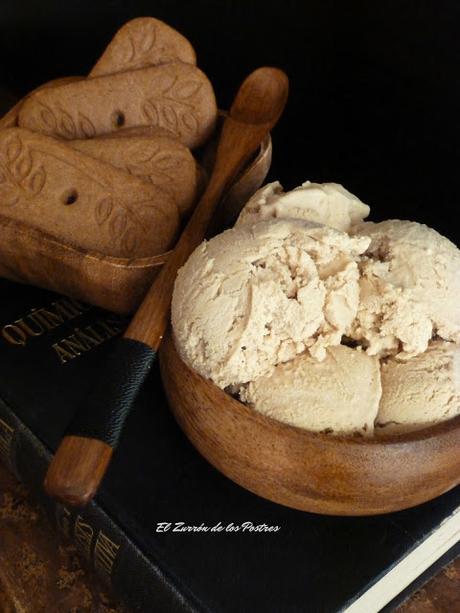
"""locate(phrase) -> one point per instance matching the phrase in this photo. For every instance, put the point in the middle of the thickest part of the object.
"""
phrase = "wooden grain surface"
(40, 574)
(310, 471)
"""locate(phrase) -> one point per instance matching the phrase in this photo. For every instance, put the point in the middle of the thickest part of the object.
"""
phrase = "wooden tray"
(33, 257)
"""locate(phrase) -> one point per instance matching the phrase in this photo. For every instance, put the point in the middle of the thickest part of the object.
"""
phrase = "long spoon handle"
(84, 454)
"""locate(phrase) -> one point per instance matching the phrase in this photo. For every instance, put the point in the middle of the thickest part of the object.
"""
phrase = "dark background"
(374, 86)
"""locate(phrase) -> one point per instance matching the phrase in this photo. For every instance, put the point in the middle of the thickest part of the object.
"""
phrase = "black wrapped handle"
(104, 413)
(85, 452)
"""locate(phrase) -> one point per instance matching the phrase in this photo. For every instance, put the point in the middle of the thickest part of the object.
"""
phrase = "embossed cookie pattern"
(142, 42)
(174, 96)
(10, 119)
(81, 200)
(161, 160)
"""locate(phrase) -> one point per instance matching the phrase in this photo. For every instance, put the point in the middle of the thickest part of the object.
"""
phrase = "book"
(167, 531)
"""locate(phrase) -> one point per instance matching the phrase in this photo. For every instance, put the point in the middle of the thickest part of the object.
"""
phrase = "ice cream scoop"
(409, 288)
(339, 395)
(422, 391)
(258, 295)
(326, 203)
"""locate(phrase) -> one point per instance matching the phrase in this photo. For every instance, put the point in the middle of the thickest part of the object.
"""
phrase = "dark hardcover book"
(145, 533)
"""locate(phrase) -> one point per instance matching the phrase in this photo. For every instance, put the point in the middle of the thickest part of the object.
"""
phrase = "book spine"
(139, 582)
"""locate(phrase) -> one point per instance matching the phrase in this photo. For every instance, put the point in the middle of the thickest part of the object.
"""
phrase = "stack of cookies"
(103, 164)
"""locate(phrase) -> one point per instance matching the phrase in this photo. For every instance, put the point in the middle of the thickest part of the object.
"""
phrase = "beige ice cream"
(326, 203)
(262, 309)
(258, 295)
(339, 395)
(421, 391)
(410, 287)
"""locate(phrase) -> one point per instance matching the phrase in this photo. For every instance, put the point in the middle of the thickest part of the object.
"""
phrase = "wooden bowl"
(33, 257)
(305, 470)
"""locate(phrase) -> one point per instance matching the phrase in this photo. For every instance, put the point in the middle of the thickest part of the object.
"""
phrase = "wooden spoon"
(84, 454)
